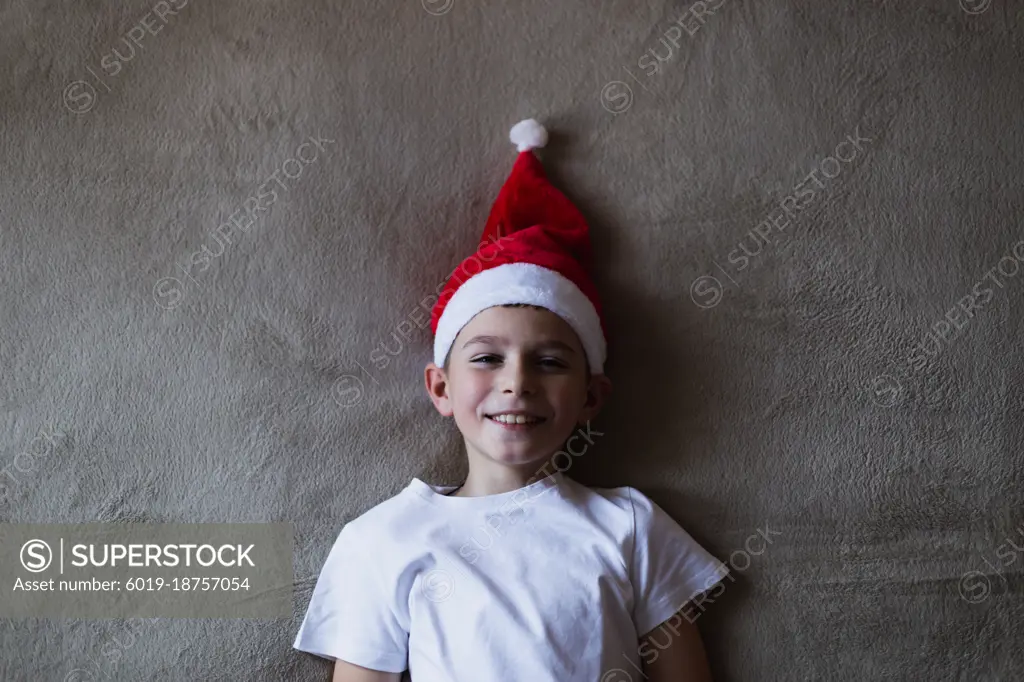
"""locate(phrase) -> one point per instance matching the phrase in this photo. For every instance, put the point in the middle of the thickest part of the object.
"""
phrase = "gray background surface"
(280, 379)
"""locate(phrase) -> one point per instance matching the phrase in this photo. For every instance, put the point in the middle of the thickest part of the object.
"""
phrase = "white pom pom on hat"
(528, 134)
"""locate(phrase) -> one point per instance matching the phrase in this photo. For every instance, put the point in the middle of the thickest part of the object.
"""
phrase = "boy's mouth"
(515, 420)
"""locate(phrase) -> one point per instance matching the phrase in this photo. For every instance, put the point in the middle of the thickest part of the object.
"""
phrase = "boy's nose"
(517, 378)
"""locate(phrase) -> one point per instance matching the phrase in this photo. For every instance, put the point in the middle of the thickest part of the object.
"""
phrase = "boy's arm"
(682, 659)
(347, 672)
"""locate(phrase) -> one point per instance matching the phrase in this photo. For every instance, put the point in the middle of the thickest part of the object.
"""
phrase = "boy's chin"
(520, 458)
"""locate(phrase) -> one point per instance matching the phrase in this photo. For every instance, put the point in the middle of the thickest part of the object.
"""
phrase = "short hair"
(519, 305)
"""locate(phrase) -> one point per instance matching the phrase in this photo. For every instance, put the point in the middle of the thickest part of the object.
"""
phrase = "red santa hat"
(535, 249)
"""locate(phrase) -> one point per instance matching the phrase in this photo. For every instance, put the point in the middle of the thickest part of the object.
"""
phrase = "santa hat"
(535, 249)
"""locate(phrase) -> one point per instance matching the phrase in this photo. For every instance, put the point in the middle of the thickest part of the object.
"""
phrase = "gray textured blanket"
(218, 222)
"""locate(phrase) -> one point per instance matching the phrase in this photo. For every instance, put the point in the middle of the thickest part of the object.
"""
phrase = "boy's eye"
(484, 357)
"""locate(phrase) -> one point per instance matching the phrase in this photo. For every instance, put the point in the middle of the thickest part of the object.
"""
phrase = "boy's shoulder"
(623, 496)
(398, 512)
(638, 509)
(619, 496)
(620, 505)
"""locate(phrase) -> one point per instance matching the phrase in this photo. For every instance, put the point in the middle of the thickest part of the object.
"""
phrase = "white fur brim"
(522, 283)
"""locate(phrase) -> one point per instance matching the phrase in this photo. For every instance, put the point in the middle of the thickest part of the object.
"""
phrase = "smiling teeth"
(514, 419)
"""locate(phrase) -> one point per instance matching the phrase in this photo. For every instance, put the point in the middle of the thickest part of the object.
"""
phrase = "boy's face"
(530, 360)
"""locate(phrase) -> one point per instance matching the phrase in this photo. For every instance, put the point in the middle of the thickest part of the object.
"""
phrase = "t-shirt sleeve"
(668, 568)
(351, 614)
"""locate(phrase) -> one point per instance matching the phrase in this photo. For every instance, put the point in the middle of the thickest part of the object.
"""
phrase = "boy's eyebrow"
(547, 343)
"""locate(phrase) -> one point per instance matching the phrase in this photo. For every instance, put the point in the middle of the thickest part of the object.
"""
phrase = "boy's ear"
(437, 388)
(597, 394)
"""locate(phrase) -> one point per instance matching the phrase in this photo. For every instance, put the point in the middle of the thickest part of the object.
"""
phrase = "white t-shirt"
(553, 582)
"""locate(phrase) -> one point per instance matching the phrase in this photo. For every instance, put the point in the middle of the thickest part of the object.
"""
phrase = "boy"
(520, 574)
